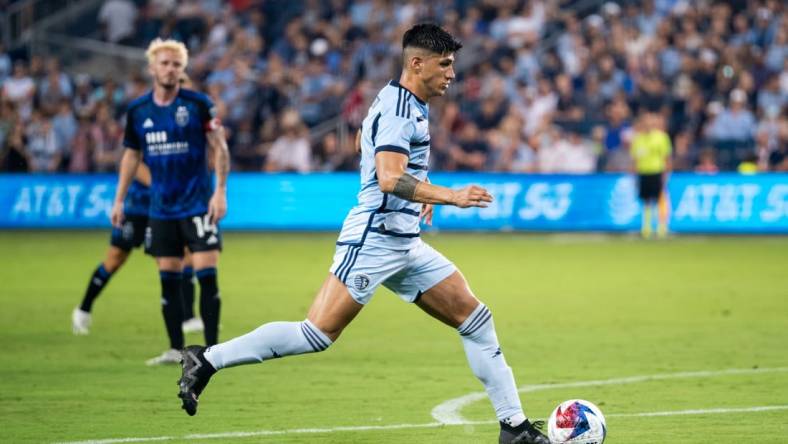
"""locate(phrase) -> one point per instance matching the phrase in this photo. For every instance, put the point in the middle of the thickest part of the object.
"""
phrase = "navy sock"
(210, 304)
(97, 282)
(172, 306)
(187, 288)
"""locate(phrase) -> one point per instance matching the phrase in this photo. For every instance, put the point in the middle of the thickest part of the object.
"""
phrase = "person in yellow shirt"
(651, 149)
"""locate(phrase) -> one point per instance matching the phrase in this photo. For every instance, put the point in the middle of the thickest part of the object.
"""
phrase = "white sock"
(514, 421)
(269, 341)
(488, 364)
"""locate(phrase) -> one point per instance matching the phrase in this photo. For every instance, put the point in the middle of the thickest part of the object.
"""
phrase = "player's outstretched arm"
(128, 168)
(393, 179)
(217, 207)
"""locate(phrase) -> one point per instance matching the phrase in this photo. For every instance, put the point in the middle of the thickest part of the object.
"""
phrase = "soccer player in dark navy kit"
(122, 241)
(124, 238)
(174, 130)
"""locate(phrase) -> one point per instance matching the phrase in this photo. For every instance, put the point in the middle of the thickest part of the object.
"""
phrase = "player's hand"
(426, 213)
(471, 196)
(217, 207)
(116, 216)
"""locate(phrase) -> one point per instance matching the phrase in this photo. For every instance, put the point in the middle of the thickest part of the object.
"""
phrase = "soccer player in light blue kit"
(380, 244)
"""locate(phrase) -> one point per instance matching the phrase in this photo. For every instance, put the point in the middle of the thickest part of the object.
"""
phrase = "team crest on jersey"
(361, 281)
(182, 116)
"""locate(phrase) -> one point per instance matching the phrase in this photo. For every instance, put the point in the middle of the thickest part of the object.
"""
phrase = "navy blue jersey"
(173, 141)
(137, 201)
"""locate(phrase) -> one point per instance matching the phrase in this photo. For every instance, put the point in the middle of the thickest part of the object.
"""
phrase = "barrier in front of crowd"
(721, 203)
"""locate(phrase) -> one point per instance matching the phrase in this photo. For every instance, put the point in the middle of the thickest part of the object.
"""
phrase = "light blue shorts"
(408, 273)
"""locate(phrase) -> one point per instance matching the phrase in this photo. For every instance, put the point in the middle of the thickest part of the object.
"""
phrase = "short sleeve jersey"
(397, 121)
(650, 151)
(173, 141)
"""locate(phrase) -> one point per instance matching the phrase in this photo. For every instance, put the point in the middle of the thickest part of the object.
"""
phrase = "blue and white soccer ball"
(576, 422)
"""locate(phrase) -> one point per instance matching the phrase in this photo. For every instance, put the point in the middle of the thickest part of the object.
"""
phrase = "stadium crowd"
(539, 88)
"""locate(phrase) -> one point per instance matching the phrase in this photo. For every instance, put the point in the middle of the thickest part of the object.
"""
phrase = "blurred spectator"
(83, 103)
(104, 136)
(13, 155)
(42, 147)
(117, 19)
(706, 162)
(748, 165)
(20, 89)
(472, 151)
(5, 64)
(65, 126)
(618, 133)
(109, 93)
(329, 155)
(245, 151)
(55, 87)
(735, 122)
(8, 119)
(511, 152)
(290, 151)
(570, 153)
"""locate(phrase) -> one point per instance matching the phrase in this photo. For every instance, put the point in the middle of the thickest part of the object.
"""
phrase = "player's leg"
(332, 310)
(644, 193)
(122, 241)
(204, 241)
(205, 263)
(452, 302)
(166, 245)
(663, 210)
(81, 316)
(191, 324)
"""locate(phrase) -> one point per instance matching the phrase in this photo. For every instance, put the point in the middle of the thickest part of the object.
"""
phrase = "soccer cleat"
(80, 322)
(193, 325)
(170, 356)
(196, 372)
(524, 433)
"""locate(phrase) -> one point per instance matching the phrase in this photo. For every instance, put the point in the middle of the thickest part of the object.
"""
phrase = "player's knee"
(318, 338)
(115, 259)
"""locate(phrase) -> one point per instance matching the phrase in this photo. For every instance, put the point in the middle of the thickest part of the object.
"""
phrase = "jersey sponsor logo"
(158, 145)
(360, 281)
(156, 137)
(182, 116)
(148, 123)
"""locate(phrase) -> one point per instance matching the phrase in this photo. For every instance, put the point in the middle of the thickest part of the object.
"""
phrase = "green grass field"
(567, 309)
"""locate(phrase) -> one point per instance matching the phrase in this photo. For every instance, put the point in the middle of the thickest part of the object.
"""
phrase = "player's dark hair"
(431, 37)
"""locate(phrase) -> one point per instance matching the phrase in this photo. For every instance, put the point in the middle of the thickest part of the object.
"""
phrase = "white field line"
(449, 412)
(262, 433)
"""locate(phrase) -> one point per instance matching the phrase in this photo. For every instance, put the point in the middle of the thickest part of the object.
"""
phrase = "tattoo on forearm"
(406, 187)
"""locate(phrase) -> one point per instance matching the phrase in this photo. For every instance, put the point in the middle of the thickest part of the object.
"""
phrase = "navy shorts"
(168, 237)
(131, 234)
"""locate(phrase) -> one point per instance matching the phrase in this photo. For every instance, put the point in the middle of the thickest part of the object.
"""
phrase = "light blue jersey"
(379, 242)
(398, 121)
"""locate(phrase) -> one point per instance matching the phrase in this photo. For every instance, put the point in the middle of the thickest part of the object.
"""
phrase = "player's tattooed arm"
(405, 188)
(393, 179)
